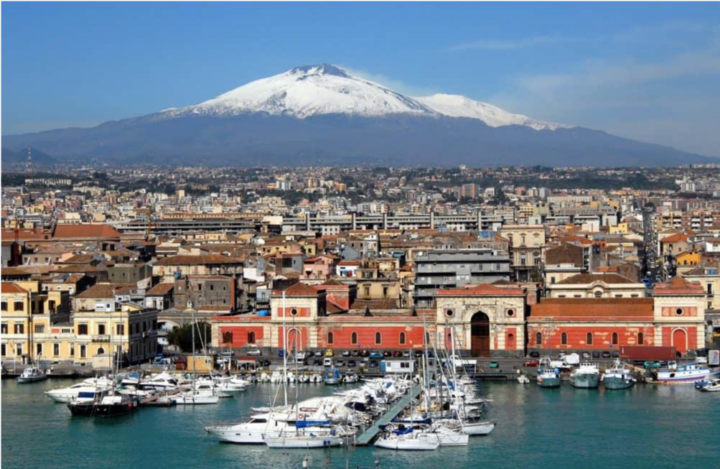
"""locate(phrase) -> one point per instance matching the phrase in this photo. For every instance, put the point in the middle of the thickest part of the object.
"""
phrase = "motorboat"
(688, 373)
(306, 439)
(408, 439)
(32, 374)
(450, 436)
(332, 377)
(105, 403)
(586, 376)
(710, 385)
(161, 382)
(618, 377)
(350, 378)
(65, 395)
(201, 394)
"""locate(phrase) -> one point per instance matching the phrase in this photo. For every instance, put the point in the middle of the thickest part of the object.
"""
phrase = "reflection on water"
(647, 426)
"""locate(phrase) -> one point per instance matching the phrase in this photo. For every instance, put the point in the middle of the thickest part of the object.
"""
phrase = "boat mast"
(284, 328)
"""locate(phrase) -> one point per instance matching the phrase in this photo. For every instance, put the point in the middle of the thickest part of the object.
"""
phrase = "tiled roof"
(481, 290)
(590, 309)
(676, 238)
(105, 290)
(85, 231)
(297, 289)
(581, 279)
(380, 304)
(678, 286)
(9, 287)
(161, 289)
(198, 260)
(564, 254)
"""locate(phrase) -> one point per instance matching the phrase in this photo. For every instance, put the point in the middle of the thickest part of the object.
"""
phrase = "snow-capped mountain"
(325, 115)
(328, 89)
(460, 106)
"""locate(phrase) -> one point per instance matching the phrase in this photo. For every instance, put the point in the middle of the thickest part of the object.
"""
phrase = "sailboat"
(199, 394)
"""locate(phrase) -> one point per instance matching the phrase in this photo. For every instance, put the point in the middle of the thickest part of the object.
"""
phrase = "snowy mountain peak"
(460, 106)
(326, 89)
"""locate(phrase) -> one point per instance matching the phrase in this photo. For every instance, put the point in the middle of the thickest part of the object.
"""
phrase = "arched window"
(251, 337)
(330, 338)
(227, 337)
(563, 338)
(538, 338)
(589, 338)
(641, 338)
(615, 338)
(353, 338)
(100, 350)
(598, 294)
(402, 338)
(378, 338)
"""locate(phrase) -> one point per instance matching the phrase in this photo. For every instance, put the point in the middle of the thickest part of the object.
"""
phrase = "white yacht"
(408, 439)
(65, 395)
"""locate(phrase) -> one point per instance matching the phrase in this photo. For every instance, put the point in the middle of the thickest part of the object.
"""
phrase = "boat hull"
(409, 444)
(585, 381)
(101, 410)
(478, 429)
(553, 382)
(309, 442)
(31, 379)
(617, 383)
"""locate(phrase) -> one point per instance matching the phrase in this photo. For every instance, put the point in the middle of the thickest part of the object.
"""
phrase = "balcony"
(101, 338)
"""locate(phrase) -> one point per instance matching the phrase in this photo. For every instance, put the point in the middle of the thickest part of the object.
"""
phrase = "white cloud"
(393, 84)
(507, 44)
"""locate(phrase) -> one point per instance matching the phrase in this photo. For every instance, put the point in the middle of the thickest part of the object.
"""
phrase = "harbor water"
(645, 427)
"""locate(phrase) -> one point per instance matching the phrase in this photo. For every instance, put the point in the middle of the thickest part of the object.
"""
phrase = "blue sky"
(649, 71)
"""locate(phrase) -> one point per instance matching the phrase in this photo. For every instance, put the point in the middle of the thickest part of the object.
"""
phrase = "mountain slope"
(323, 114)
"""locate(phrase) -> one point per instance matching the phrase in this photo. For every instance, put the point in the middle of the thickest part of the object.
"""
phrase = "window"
(589, 338)
(251, 337)
(385, 292)
(38, 350)
(56, 350)
(353, 338)
(19, 350)
(3, 328)
(227, 337)
(378, 338)
(402, 338)
(4, 306)
(212, 287)
(294, 312)
(120, 329)
(563, 338)
(449, 313)
(511, 313)
(83, 351)
(72, 350)
(2, 350)
(19, 328)
(679, 312)
(82, 329)
(101, 329)
(538, 338)
(615, 338)
(427, 338)
(641, 338)
(598, 294)
(18, 306)
(330, 338)
(100, 351)
(39, 328)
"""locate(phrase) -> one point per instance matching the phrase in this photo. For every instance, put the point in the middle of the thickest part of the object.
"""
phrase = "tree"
(182, 336)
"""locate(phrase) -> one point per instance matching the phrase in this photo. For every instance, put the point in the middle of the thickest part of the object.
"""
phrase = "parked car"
(406, 353)
(531, 363)
(356, 353)
(329, 353)
(387, 353)
(397, 353)
(373, 364)
(317, 362)
(535, 354)
(319, 353)
(254, 352)
(606, 354)
(346, 353)
(266, 363)
(281, 353)
(364, 353)
(327, 362)
(376, 355)
(339, 363)
(418, 353)
(352, 363)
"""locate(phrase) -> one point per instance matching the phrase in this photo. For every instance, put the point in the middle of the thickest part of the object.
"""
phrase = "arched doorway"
(294, 340)
(679, 341)
(480, 335)
(510, 341)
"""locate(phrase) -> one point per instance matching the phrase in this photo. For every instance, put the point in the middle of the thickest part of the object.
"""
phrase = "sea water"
(647, 426)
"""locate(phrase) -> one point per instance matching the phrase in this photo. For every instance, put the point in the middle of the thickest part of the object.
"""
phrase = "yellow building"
(688, 258)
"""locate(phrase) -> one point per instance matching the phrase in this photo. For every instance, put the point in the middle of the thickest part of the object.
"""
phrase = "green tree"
(182, 336)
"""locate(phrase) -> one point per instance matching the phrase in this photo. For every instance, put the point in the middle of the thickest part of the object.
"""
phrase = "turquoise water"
(645, 427)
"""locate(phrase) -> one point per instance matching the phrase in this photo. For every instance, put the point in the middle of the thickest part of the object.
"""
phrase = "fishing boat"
(32, 374)
(586, 376)
(618, 377)
(408, 439)
(548, 377)
(710, 385)
(680, 374)
(103, 403)
(332, 377)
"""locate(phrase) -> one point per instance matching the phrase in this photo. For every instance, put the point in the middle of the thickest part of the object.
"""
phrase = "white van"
(327, 363)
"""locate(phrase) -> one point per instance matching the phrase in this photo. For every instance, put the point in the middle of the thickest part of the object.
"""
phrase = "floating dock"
(369, 435)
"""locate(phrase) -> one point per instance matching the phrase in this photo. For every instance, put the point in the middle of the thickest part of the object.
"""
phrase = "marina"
(669, 416)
